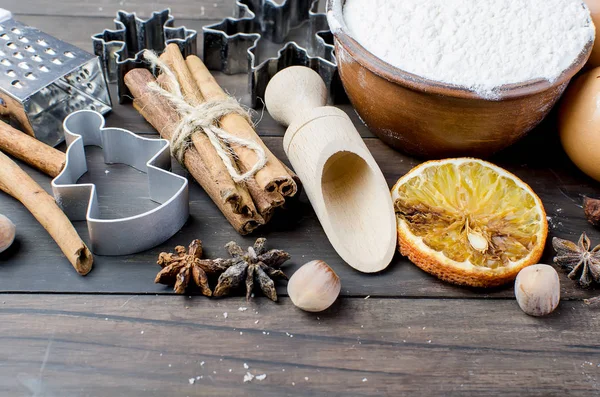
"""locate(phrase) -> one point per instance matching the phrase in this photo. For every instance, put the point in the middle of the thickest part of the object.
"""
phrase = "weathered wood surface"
(81, 29)
(538, 160)
(198, 10)
(405, 340)
(213, 9)
(79, 345)
(122, 193)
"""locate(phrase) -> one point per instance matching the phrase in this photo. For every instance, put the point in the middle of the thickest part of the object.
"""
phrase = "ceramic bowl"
(432, 119)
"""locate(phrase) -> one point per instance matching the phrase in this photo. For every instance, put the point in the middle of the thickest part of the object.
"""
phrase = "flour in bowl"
(477, 44)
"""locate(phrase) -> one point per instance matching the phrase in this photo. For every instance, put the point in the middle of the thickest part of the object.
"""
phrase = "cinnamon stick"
(9, 107)
(240, 198)
(16, 182)
(33, 152)
(294, 177)
(210, 174)
(173, 58)
(272, 177)
(265, 201)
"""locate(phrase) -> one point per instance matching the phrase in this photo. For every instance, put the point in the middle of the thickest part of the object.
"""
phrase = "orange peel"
(468, 221)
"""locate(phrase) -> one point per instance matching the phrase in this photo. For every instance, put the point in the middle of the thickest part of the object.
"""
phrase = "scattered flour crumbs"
(477, 44)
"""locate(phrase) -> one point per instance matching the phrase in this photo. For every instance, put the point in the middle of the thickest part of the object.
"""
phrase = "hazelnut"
(7, 233)
(314, 287)
(537, 289)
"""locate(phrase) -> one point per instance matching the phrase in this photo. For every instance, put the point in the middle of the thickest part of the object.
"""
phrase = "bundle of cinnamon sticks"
(246, 205)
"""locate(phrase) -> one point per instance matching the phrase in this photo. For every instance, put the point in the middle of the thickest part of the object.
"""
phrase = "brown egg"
(594, 6)
(579, 122)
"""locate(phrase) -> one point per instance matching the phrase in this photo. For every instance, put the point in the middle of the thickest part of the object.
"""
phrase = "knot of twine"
(204, 118)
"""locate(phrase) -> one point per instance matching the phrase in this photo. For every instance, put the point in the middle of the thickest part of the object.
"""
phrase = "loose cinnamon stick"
(265, 201)
(16, 182)
(273, 177)
(9, 107)
(211, 175)
(33, 152)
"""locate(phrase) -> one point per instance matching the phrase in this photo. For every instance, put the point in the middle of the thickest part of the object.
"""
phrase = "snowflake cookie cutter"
(233, 45)
(132, 234)
(122, 49)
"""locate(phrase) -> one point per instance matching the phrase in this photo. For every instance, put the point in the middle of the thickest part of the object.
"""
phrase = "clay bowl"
(432, 119)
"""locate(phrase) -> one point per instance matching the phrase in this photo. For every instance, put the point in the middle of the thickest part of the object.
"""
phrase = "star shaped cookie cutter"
(79, 201)
(122, 49)
(234, 44)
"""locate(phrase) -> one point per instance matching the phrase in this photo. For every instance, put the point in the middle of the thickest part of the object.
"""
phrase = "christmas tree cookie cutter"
(79, 201)
(234, 45)
(122, 49)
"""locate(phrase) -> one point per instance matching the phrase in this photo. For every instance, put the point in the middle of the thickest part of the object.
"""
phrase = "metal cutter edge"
(111, 44)
(218, 56)
(132, 234)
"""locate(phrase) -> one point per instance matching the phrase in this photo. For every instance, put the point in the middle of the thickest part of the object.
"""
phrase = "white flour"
(477, 44)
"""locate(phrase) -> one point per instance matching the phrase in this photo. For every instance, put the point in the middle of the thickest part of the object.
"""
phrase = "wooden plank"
(151, 346)
(107, 8)
(122, 193)
(81, 29)
(539, 160)
(78, 31)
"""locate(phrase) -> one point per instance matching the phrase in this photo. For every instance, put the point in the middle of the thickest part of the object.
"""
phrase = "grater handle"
(5, 15)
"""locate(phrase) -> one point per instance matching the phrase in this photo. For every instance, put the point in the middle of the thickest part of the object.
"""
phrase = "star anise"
(254, 266)
(578, 259)
(181, 267)
(591, 209)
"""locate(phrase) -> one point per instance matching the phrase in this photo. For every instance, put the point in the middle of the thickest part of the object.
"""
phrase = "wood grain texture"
(107, 8)
(81, 29)
(122, 192)
(151, 346)
(142, 345)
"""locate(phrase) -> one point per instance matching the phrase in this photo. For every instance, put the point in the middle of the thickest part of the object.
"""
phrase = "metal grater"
(43, 79)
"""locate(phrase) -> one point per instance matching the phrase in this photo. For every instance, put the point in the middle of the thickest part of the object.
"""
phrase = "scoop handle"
(294, 91)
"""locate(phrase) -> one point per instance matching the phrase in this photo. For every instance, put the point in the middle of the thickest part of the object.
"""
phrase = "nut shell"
(314, 287)
(7, 233)
(537, 289)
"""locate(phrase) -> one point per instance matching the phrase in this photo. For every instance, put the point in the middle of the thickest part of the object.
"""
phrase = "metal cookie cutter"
(43, 79)
(126, 235)
(236, 45)
(121, 49)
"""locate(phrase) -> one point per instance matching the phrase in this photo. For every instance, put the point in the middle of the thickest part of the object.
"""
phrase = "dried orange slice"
(468, 221)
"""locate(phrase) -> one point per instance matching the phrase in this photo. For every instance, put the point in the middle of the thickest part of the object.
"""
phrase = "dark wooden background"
(115, 332)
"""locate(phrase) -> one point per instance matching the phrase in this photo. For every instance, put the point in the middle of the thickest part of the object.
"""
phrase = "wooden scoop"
(342, 180)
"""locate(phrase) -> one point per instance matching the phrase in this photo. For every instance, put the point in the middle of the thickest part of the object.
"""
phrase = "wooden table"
(402, 331)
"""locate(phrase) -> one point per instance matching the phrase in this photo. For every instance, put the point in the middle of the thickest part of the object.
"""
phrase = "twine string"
(204, 118)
